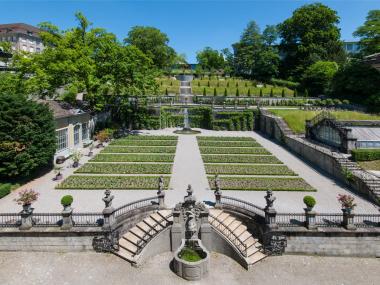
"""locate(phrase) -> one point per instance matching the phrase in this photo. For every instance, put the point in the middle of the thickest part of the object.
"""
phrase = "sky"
(190, 25)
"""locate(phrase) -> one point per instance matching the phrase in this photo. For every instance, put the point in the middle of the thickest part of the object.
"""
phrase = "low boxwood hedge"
(366, 154)
(217, 158)
(216, 138)
(130, 142)
(139, 149)
(112, 157)
(125, 168)
(233, 150)
(248, 169)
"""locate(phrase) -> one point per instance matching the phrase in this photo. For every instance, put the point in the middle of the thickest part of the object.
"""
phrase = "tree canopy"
(311, 34)
(317, 77)
(210, 59)
(369, 33)
(154, 43)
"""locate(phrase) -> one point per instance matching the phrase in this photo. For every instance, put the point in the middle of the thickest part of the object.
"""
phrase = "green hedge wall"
(234, 121)
(5, 189)
(366, 154)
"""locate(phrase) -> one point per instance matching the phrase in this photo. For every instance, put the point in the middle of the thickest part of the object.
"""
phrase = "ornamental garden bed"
(144, 142)
(254, 169)
(266, 159)
(262, 184)
(210, 143)
(104, 157)
(143, 137)
(138, 149)
(112, 182)
(105, 168)
(207, 138)
(234, 150)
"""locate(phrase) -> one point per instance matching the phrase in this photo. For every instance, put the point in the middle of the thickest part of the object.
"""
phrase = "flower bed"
(248, 169)
(112, 182)
(143, 137)
(206, 138)
(269, 159)
(129, 142)
(229, 143)
(138, 149)
(233, 150)
(262, 184)
(104, 168)
(133, 158)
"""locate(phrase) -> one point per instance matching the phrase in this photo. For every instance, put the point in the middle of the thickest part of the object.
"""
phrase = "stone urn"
(27, 208)
(189, 267)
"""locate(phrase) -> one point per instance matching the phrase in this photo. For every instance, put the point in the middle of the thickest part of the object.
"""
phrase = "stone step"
(251, 241)
(216, 212)
(144, 227)
(159, 219)
(139, 233)
(165, 213)
(239, 230)
(127, 245)
(234, 225)
(255, 257)
(229, 220)
(125, 254)
(223, 216)
(252, 250)
(244, 236)
(153, 224)
(133, 238)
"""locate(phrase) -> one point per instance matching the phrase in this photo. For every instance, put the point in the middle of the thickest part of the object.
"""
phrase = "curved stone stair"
(132, 243)
(237, 233)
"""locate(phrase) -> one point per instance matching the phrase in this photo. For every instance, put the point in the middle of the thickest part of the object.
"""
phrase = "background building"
(22, 36)
(351, 46)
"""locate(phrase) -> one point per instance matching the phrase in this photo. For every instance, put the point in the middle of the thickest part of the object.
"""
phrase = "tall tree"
(309, 35)
(154, 44)
(317, 77)
(210, 59)
(369, 33)
(255, 55)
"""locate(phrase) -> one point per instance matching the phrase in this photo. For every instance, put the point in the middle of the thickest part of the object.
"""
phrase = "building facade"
(23, 37)
(351, 47)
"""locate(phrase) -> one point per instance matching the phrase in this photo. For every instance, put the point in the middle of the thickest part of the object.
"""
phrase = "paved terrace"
(188, 169)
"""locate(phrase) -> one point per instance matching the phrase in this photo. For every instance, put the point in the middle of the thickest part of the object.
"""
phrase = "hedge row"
(209, 138)
(144, 142)
(233, 150)
(137, 149)
(133, 158)
(145, 137)
(261, 184)
(112, 182)
(217, 158)
(229, 143)
(138, 168)
(224, 169)
(366, 154)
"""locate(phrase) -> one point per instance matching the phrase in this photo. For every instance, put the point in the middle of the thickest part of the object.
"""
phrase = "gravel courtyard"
(40, 268)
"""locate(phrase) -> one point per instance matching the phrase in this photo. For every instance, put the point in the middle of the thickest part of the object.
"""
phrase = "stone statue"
(270, 200)
(160, 184)
(190, 225)
(108, 198)
(217, 184)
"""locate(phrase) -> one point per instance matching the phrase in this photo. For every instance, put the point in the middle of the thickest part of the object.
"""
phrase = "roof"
(365, 133)
(61, 109)
(18, 28)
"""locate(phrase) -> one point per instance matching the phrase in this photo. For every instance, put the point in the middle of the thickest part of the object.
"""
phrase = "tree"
(27, 136)
(358, 82)
(369, 33)
(317, 77)
(215, 92)
(154, 43)
(310, 35)
(255, 56)
(210, 59)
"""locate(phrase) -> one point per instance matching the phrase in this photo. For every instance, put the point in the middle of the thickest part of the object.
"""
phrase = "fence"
(142, 203)
(242, 204)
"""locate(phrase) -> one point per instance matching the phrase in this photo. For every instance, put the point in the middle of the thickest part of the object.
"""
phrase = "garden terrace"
(134, 162)
(296, 118)
(243, 164)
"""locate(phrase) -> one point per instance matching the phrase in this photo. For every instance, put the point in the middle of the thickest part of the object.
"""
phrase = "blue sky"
(190, 25)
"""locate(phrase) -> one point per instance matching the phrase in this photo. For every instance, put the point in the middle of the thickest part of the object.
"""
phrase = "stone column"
(67, 218)
(270, 212)
(108, 212)
(310, 219)
(205, 229)
(176, 231)
(348, 220)
(161, 193)
(26, 218)
(217, 193)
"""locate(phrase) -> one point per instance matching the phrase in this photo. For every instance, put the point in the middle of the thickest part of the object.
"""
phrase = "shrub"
(27, 197)
(237, 92)
(27, 136)
(204, 91)
(283, 93)
(225, 92)
(365, 154)
(166, 92)
(5, 189)
(285, 83)
(309, 201)
(67, 200)
(249, 92)
(346, 201)
(215, 92)
(261, 92)
(271, 92)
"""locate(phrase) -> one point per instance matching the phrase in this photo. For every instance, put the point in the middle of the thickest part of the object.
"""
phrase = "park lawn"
(370, 165)
(296, 118)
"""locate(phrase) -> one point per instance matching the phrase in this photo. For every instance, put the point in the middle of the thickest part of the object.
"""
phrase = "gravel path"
(87, 268)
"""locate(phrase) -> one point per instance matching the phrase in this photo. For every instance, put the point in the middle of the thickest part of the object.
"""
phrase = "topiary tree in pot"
(309, 202)
(66, 201)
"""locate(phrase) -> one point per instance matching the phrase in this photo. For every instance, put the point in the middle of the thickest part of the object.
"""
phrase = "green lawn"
(370, 165)
(296, 118)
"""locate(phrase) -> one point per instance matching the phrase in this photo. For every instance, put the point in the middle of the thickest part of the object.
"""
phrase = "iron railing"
(366, 220)
(10, 220)
(47, 219)
(228, 233)
(328, 220)
(87, 219)
(242, 204)
(135, 205)
(290, 219)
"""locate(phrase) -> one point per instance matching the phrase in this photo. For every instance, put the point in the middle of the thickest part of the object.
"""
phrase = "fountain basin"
(187, 131)
(191, 260)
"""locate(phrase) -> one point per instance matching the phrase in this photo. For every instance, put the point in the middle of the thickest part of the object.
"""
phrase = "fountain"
(191, 259)
(186, 130)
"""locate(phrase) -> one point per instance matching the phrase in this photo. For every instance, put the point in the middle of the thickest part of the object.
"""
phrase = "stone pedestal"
(310, 219)
(270, 219)
(161, 200)
(67, 218)
(348, 220)
(176, 236)
(26, 219)
(218, 198)
(109, 219)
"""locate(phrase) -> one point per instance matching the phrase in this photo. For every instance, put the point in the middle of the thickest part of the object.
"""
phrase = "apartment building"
(23, 37)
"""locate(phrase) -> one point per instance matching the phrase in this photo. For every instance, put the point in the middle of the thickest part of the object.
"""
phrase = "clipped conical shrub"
(215, 92)
(283, 93)
(225, 92)
(249, 92)
(166, 92)
(261, 92)
(295, 94)
(237, 92)
(271, 92)
(204, 91)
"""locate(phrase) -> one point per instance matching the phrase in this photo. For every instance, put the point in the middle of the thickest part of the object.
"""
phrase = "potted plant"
(57, 171)
(347, 202)
(26, 198)
(66, 202)
(76, 158)
(101, 137)
(309, 202)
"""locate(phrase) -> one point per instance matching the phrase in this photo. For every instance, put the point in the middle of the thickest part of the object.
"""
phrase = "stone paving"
(47, 268)
(189, 169)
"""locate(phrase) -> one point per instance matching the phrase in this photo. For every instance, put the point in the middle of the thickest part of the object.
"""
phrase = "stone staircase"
(237, 233)
(132, 243)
